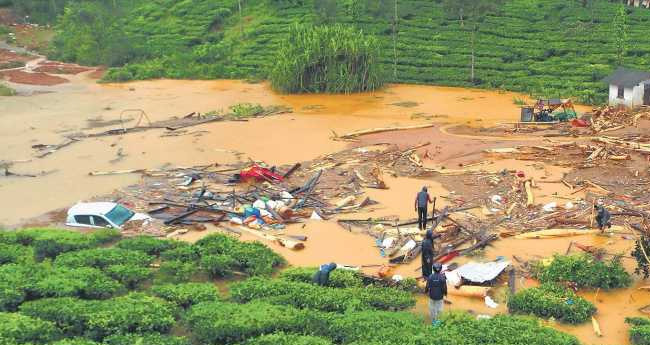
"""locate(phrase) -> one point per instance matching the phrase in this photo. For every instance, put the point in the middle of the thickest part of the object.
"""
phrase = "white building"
(629, 87)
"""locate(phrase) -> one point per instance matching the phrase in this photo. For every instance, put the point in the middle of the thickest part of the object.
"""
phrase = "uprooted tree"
(332, 59)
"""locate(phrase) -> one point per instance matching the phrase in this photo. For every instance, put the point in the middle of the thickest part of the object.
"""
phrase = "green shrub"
(148, 244)
(145, 339)
(133, 313)
(24, 329)
(178, 271)
(220, 265)
(103, 236)
(84, 282)
(129, 275)
(103, 257)
(75, 341)
(6, 91)
(48, 243)
(332, 59)
(639, 330)
(287, 339)
(186, 253)
(305, 295)
(12, 253)
(253, 258)
(552, 300)
(338, 278)
(187, 294)
(585, 271)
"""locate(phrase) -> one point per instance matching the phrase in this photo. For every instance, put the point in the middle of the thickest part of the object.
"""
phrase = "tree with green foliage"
(472, 13)
(332, 59)
(620, 33)
(325, 11)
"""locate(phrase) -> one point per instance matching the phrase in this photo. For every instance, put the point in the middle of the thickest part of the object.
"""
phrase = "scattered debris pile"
(611, 118)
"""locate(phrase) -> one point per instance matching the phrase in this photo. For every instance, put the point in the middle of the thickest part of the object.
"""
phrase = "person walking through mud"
(428, 254)
(603, 217)
(322, 276)
(437, 290)
(422, 200)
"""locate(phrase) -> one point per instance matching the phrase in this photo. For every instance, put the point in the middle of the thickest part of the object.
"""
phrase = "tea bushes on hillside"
(145, 339)
(22, 329)
(221, 265)
(96, 320)
(103, 257)
(253, 258)
(188, 294)
(84, 282)
(287, 339)
(551, 300)
(75, 341)
(129, 275)
(338, 278)
(305, 295)
(178, 271)
(149, 245)
(13, 253)
(585, 271)
(48, 243)
(639, 330)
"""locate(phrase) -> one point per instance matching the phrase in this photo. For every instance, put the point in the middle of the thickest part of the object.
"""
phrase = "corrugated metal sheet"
(480, 272)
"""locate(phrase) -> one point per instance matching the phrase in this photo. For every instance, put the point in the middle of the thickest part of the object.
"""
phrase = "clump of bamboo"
(327, 59)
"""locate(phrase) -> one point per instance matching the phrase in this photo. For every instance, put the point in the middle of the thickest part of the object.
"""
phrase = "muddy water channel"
(46, 115)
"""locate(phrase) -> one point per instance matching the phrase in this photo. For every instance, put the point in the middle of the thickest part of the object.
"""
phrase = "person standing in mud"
(427, 254)
(603, 217)
(322, 276)
(422, 201)
(437, 290)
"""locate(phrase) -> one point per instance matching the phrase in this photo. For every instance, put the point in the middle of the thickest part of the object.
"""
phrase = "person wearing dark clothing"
(437, 290)
(427, 254)
(602, 217)
(422, 200)
(322, 277)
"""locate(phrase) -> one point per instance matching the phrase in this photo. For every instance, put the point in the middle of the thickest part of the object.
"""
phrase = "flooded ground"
(46, 114)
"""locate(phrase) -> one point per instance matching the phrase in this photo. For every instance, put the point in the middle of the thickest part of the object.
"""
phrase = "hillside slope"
(543, 47)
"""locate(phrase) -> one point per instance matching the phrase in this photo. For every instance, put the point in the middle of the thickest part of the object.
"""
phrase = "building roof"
(91, 208)
(627, 77)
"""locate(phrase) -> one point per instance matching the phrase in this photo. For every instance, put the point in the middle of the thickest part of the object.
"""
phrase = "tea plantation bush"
(639, 330)
(23, 329)
(253, 258)
(305, 295)
(103, 257)
(178, 271)
(287, 339)
(338, 278)
(145, 339)
(76, 341)
(12, 253)
(585, 271)
(187, 294)
(129, 275)
(96, 320)
(149, 245)
(48, 243)
(551, 300)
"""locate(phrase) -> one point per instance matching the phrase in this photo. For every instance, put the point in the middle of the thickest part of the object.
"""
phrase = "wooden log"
(530, 197)
(382, 129)
(181, 217)
(553, 233)
(292, 170)
(596, 326)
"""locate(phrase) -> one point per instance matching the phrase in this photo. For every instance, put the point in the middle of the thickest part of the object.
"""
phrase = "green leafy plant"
(639, 330)
(188, 253)
(6, 90)
(23, 329)
(148, 244)
(145, 339)
(338, 278)
(129, 275)
(253, 258)
(178, 271)
(220, 265)
(187, 294)
(586, 271)
(243, 110)
(287, 339)
(103, 257)
(552, 300)
(305, 295)
(75, 341)
(13, 253)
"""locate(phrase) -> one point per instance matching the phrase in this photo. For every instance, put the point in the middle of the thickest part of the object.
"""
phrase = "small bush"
(552, 300)
(84, 282)
(129, 275)
(639, 330)
(188, 294)
(338, 278)
(221, 265)
(253, 258)
(133, 313)
(48, 243)
(147, 244)
(585, 271)
(103, 257)
(178, 271)
(75, 341)
(13, 253)
(103, 236)
(185, 253)
(287, 339)
(145, 339)
(304, 295)
(24, 329)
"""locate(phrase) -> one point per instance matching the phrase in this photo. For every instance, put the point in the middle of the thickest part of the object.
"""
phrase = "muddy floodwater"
(46, 115)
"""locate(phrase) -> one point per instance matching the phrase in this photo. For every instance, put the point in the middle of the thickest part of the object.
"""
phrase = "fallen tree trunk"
(382, 129)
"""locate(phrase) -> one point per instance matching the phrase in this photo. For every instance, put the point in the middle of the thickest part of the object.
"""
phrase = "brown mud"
(284, 139)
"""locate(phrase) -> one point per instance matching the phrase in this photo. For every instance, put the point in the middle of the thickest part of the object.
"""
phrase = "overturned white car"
(101, 215)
